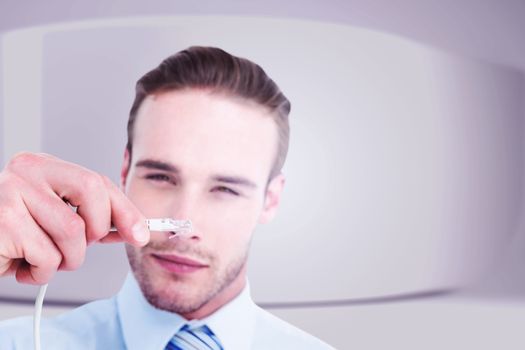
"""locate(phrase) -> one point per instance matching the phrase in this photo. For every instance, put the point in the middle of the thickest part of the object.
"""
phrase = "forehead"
(193, 128)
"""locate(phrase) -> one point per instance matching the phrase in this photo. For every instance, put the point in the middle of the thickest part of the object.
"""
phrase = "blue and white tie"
(200, 338)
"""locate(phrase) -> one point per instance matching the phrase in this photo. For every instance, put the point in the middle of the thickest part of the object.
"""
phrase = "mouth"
(178, 264)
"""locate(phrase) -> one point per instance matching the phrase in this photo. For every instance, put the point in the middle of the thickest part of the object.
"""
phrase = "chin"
(179, 303)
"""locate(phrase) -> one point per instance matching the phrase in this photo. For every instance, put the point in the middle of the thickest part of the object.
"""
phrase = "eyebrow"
(168, 167)
(157, 165)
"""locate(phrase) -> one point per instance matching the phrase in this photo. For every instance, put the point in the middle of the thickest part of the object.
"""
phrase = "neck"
(222, 298)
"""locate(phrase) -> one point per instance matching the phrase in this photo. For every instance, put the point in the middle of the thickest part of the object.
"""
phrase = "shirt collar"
(146, 328)
(234, 323)
(143, 326)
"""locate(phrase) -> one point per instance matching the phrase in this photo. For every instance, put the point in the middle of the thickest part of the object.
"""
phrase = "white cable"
(38, 315)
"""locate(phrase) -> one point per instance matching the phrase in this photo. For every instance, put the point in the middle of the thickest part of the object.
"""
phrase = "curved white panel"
(1, 104)
(405, 167)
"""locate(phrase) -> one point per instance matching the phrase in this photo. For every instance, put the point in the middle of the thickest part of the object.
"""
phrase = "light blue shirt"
(128, 321)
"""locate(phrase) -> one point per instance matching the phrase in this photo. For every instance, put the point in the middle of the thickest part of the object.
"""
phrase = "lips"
(178, 264)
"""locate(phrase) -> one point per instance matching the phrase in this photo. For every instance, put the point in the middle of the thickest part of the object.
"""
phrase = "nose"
(185, 207)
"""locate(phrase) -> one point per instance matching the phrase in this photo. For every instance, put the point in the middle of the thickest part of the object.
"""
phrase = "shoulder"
(272, 332)
(80, 328)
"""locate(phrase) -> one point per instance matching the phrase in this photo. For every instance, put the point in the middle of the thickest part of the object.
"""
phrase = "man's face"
(204, 157)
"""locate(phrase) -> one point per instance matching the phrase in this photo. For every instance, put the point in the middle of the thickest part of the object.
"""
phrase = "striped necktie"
(199, 338)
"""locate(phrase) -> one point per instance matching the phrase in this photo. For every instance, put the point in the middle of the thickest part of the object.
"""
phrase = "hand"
(39, 231)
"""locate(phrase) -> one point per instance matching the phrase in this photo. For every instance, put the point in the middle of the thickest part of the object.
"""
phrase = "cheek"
(234, 214)
(231, 245)
(230, 227)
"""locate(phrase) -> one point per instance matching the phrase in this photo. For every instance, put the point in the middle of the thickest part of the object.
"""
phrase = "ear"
(272, 199)
(124, 171)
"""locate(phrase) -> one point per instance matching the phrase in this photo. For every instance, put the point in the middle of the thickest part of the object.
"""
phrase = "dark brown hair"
(214, 69)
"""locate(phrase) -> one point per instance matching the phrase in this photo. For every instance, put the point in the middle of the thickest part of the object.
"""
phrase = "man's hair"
(218, 71)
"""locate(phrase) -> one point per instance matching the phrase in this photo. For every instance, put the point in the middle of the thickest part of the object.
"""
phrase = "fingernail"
(140, 232)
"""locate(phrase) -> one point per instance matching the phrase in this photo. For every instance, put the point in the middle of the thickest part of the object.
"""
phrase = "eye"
(158, 177)
(226, 190)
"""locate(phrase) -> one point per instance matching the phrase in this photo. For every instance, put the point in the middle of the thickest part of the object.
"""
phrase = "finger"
(77, 185)
(89, 194)
(41, 257)
(96, 214)
(61, 224)
(130, 223)
(8, 266)
(80, 187)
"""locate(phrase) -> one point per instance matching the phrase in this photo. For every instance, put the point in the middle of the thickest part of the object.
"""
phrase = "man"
(207, 137)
